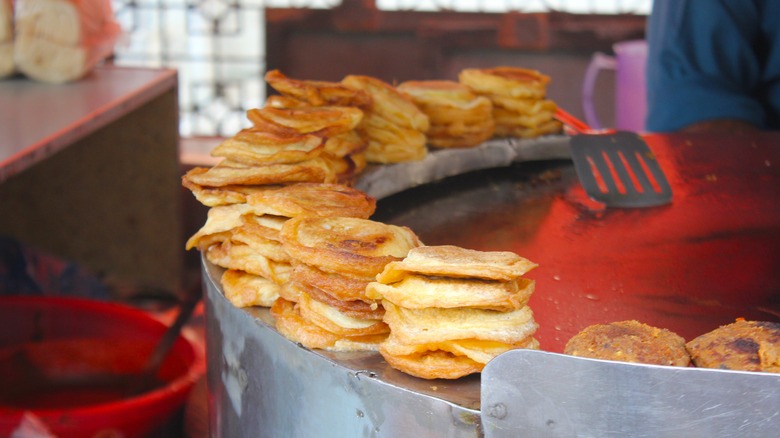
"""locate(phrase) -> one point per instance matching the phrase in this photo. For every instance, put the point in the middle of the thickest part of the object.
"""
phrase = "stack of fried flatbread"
(324, 304)
(451, 310)
(348, 145)
(520, 106)
(244, 236)
(459, 118)
(283, 146)
(393, 125)
(293, 235)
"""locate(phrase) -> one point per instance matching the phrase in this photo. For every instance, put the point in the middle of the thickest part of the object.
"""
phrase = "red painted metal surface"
(709, 257)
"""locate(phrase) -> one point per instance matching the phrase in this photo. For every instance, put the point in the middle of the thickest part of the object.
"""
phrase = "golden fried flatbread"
(423, 326)
(335, 321)
(314, 199)
(456, 129)
(345, 144)
(351, 246)
(456, 262)
(439, 92)
(461, 135)
(257, 146)
(317, 93)
(389, 143)
(433, 365)
(255, 237)
(463, 141)
(266, 225)
(245, 290)
(523, 106)
(282, 101)
(214, 196)
(340, 286)
(416, 291)
(219, 219)
(389, 103)
(514, 82)
(476, 350)
(546, 128)
(508, 118)
(231, 255)
(352, 308)
(321, 121)
(228, 172)
(290, 324)
(458, 116)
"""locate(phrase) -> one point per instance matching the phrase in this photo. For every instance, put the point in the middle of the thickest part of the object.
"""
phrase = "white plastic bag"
(6, 38)
(59, 41)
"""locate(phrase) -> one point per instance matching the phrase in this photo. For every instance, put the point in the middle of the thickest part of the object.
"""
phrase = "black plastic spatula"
(616, 168)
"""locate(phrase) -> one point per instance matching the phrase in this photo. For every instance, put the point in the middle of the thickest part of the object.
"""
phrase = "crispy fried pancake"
(629, 341)
(335, 321)
(320, 121)
(314, 199)
(456, 262)
(231, 255)
(255, 238)
(550, 127)
(476, 350)
(228, 172)
(389, 103)
(317, 93)
(245, 290)
(268, 226)
(510, 118)
(742, 345)
(523, 106)
(418, 292)
(353, 309)
(350, 246)
(290, 324)
(422, 326)
(446, 94)
(513, 82)
(345, 144)
(339, 286)
(256, 146)
(389, 143)
(214, 196)
(454, 111)
(433, 365)
(282, 101)
(218, 220)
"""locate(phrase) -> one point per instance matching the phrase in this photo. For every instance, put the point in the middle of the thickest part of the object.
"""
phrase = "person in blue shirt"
(713, 65)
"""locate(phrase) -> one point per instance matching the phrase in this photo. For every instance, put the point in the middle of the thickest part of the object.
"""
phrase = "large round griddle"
(709, 257)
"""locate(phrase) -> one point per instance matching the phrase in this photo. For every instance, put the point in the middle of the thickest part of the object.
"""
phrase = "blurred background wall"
(222, 48)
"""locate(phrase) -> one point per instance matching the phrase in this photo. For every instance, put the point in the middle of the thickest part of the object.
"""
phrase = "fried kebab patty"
(629, 341)
(742, 345)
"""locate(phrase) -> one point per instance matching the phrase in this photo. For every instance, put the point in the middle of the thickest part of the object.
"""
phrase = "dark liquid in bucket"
(62, 396)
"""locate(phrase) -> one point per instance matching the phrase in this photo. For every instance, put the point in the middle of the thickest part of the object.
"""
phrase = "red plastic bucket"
(56, 336)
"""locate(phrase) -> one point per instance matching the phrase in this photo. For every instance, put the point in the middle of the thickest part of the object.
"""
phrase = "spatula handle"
(571, 121)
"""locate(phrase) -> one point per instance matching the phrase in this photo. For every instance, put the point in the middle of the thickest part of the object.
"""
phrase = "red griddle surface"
(711, 256)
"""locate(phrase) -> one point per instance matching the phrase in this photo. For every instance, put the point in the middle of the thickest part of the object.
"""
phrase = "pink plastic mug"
(630, 91)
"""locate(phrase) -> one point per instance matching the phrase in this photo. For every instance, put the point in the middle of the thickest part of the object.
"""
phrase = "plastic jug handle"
(599, 61)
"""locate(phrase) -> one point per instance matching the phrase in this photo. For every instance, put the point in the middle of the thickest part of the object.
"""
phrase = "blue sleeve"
(703, 63)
